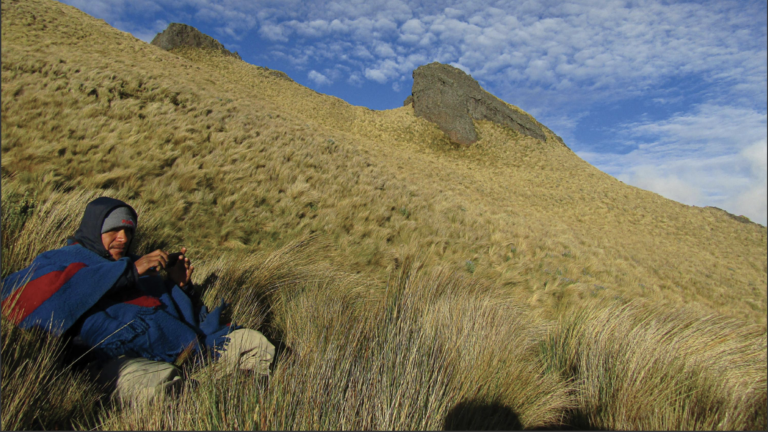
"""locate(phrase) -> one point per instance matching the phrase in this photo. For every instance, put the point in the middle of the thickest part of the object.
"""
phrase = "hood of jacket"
(89, 232)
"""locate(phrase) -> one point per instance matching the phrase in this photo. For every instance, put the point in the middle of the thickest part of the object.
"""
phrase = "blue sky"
(668, 96)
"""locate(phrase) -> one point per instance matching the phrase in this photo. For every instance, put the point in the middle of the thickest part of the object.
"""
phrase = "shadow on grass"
(271, 332)
(471, 415)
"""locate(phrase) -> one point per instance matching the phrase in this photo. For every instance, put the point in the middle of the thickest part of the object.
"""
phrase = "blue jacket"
(105, 303)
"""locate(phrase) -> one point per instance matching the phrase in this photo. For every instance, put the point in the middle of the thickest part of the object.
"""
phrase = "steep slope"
(231, 155)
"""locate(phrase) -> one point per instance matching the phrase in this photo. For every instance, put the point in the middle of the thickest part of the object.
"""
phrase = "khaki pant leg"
(138, 379)
(248, 350)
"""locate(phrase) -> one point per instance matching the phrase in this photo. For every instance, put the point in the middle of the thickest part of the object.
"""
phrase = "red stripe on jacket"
(137, 297)
(29, 297)
(145, 301)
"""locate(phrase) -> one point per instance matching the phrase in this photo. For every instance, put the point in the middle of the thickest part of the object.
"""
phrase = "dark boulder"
(451, 99)
(181, 35)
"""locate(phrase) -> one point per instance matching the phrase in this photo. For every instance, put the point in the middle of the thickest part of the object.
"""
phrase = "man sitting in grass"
(137, 323)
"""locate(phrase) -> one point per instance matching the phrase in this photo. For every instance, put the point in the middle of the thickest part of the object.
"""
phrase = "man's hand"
(151, 263)
(181, 272)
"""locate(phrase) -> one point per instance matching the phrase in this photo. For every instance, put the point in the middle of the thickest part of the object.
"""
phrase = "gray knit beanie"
(121, 217)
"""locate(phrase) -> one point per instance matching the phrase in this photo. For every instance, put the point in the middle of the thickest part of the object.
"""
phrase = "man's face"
(117, 241)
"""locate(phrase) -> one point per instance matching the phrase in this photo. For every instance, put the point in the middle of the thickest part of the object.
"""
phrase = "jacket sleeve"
(214, 330)
(58, 288)
(209, 323)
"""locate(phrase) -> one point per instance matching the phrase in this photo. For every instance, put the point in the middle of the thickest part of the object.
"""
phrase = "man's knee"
(138, 379)
(249, 350)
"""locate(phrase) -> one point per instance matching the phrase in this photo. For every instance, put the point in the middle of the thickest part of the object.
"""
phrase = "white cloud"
(274, 32)
(361, 52)
(376, 75)
(356, 79)
(412, 26)
(310, 29)
(667, 100)
(752, 201)
(337, 26)
(113, 10)
(757, 155)
(461, 67)
(564, 125)
(318, 78)
(145, 33)
(382, 49)
(711, 156)
(232, 22)
(712, 129)
(394, 69)
(664, 183)
(453, 13)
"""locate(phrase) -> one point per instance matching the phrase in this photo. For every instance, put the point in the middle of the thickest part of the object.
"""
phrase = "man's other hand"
(181, 272)
(152, 262)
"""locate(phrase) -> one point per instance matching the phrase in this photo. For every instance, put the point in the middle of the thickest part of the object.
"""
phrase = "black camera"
(172, 259)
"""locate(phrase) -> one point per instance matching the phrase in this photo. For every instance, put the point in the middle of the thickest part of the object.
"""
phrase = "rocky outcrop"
(181, 35)
(451, 99)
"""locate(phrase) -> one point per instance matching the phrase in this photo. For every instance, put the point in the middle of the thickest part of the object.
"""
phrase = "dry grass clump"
(639, 367)
(38, 389)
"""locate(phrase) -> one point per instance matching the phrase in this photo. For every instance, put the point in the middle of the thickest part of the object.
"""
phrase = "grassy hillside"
(233, 156)
(520, 239)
